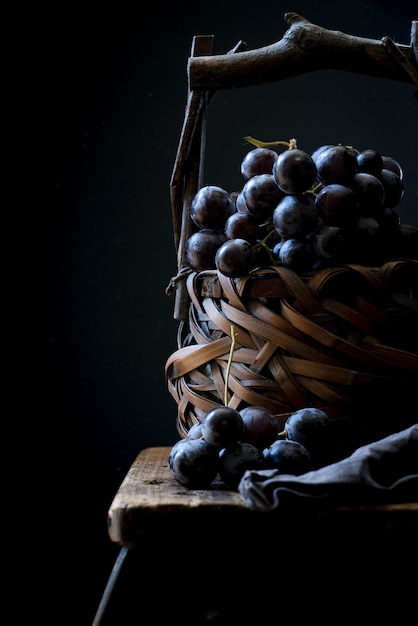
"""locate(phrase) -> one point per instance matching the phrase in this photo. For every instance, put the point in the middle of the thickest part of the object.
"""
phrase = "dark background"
(107, 90)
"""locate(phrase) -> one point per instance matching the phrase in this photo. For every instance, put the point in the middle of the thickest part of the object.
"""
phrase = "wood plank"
(151, 501)
(149, 483)
(150, 492)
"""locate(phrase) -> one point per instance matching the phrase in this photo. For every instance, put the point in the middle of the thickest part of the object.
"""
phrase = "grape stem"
(228, 368)
(291, 144)
(263, 244)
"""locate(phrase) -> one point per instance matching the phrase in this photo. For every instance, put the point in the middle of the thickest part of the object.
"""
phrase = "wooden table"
(152, 508)
(149, 496)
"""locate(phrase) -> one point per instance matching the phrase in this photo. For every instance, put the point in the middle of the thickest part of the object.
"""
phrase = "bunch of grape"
(303, 211)
(226, 443)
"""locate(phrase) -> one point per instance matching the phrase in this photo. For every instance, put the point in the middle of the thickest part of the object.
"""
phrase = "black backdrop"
(110, 85)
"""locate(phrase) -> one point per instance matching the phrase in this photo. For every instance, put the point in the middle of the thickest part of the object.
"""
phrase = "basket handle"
(306, 47)
(187, 172)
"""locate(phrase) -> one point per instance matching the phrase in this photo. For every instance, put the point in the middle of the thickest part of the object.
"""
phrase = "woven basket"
(343, 339)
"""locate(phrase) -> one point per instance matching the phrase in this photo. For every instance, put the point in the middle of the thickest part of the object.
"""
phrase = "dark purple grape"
(261, 196)
(337, 205)
(260, 426)
(194, 463)
(195, 431)
(211, 207)
(295, 216)
(393, 186)
(222, 426)
(391, 164)
(234, 258)
(318, 151)
(258, 161)
(332, 244)
(369, 161)
(336, 164)
(297, 255)
(370, 194)
(288, 457)
(173, 451)
(201, 248)
(310, 427)
(276, 249)
(236, 459)
(242, 226)
(240, 203)
(294, 171)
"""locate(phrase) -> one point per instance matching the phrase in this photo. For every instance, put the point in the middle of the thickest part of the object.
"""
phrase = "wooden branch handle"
(305, 47)
(187, 173)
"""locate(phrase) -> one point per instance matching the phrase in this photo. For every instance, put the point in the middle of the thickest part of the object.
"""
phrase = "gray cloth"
(385, 471)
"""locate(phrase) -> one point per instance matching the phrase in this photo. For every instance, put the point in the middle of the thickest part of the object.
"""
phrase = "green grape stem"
(314, 190)
(353, 149)
(291, 144)
(263, 244)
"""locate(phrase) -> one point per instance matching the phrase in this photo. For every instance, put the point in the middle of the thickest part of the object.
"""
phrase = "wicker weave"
(343, 339)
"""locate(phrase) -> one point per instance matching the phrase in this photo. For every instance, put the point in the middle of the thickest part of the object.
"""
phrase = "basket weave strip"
(393, 328)
(330, 340)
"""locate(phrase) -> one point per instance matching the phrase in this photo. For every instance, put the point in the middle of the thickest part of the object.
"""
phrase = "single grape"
(337, 205)
(173, 451)
(236, 459)
(336, 164)
(240, 203)
(260, 426)
(393, 187)
(310, 427)
(370, 194)
(318, 151)
(194, 463)
(295, 216)
(261, 196)
(234, 258)
(211, 206)
(297, 255)
(294, 171)
(258, 161)
(242, 226)
(276, 249)
(201, 247)
(332, 244)
(288, 457)
(222, 426)
(195, 431)
(389, 163)
(369, 161)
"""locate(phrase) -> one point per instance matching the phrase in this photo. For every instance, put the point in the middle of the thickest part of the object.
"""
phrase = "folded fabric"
(384, 471)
